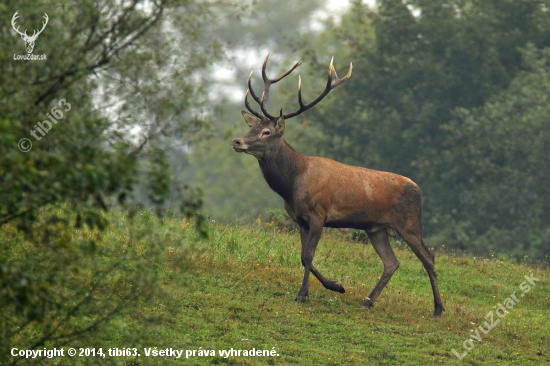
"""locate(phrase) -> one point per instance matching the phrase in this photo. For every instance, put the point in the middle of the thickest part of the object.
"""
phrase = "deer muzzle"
(239, 145)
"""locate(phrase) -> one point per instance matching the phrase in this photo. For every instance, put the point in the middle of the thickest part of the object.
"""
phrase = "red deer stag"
(319, 192)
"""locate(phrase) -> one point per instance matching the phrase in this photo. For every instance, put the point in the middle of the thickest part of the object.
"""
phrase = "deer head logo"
(29, 40)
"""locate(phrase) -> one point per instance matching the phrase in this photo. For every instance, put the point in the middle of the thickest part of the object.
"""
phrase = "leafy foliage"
(233, 185)
(68, 293)
(500, 186)
(421, 67)
(98, 113)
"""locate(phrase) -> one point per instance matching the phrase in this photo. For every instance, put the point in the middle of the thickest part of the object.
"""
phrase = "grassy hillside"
(236, 290)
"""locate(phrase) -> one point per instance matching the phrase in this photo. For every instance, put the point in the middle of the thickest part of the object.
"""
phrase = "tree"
(498, 159)
(232, 183)
(415, 64)
(97, 112)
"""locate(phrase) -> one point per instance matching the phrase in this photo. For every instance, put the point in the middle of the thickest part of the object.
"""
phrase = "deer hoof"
(335, 286)
(300, 298)
(438, 311)
(368, 303)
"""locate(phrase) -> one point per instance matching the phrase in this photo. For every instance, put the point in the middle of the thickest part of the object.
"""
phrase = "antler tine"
(248, 105)
(331, 71)
(330, 85)
(263, 103)
(340, 81)
(268, 82)
(300, 91)
(273, 81)
(264, 65)
(251, 90)
(287, 72)
(15, 16)
(46, 18)
(35, 35)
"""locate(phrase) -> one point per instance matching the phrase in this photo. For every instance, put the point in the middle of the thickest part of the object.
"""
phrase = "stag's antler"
(330, 85)
(25, 36)
(43, 26)
(267, 83)
(303, 107)
(15, 16)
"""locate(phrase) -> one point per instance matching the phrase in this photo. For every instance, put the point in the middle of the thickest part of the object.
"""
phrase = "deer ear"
(280, 124)
(251, 120)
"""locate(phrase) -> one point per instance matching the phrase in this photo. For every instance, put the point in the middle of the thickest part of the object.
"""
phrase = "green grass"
(236, 290)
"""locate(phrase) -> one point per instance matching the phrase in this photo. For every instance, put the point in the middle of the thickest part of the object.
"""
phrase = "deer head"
(29, 40)
(267, 130)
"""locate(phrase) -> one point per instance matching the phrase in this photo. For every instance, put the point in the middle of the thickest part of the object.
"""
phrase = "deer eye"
(266, 133)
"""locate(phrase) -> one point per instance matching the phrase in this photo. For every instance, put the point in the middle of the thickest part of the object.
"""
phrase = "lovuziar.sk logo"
(29, 40)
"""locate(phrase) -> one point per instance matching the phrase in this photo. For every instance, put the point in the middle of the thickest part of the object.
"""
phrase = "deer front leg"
(310, 238)
(328, 284)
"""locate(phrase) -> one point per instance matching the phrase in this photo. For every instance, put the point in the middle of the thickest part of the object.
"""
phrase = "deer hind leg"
(381, 244)
(415, 242)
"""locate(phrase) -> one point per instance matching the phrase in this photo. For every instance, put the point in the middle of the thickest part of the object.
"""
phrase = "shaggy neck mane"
(281, 167)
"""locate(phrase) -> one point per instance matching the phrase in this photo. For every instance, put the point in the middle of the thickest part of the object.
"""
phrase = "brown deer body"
(320, 192)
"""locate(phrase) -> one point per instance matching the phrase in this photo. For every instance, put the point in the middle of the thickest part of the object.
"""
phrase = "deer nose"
(237, 142)
(239, 145)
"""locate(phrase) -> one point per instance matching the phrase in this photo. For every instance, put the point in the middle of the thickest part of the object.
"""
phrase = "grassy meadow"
(155, 286)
